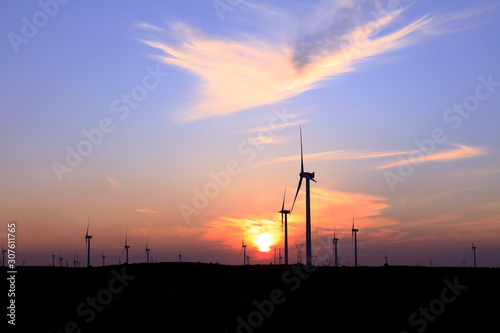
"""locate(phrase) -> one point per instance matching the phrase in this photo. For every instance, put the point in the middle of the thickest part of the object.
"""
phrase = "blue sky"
(207, 87)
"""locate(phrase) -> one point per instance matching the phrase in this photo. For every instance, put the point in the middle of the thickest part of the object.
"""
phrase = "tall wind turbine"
(103, 257)
(60, 260)
(354, 235)
(335, 240)
(285, 214)
(147, 252)
(53, 259)
(474, 253)
(87, 243)
(244, 249)
(308, 176)
(125, 248)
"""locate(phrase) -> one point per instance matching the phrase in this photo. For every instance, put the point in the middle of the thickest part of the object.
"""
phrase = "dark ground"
(218, 298)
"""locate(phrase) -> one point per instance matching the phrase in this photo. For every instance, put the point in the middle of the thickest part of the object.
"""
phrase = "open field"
(218, 298)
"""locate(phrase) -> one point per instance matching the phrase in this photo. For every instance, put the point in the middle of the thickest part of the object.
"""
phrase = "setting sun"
(264, 241)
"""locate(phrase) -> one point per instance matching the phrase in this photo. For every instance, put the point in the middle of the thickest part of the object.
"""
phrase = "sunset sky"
(177, 122)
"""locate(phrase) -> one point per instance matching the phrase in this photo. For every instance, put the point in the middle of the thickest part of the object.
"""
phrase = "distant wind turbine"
(308, 176)
(354, 235)
(180, 257)
(125, 248)
(285, 214)
(335, 240)
(103, 257)
(87, 243)
(243, 249)
(474, 253)
(147, 252)
(60, 260)
(53, 259)
(3, 256)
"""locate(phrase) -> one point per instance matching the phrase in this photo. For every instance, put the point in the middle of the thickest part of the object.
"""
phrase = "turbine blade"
(301, 154)
(297, 193)
(283, 205)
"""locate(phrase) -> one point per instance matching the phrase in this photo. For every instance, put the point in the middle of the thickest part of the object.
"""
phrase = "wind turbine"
(285, 213)
(3, 256)
(335, 240)
(354, 235)
(60, 260)
(180, 257)
(385, 257)
(474, 253)
(103, 257)
(243, 249)
(147, 252)
(53, 259)
(125, 248)
(87, 243)
(308, 176)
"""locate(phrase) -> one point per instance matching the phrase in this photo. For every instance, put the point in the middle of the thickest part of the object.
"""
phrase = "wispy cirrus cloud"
(242, 72)
(113, 182)
(459, 152)
(147, 211)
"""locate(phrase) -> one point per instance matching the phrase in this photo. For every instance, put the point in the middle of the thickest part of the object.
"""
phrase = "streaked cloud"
(147, 211)
(113, 182)
(247, 71)
(460, 152)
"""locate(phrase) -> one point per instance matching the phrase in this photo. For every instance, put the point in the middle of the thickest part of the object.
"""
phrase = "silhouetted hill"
(218, 298)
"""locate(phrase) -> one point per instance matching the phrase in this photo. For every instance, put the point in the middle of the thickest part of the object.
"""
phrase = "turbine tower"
(335, 240)
(60, 260)
(125, 248)
(53, 259)
(147, 252)
(354, 235)
(103, 257)
(474, 253)
(243, 249)
(285, 214)
(87, 243)
(180, 257)
(308, 176)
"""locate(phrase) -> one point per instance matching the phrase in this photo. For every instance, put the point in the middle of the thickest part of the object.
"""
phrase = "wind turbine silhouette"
(53, 259)
(354, 234)
(147, 252)
(243, 249)
(60, 260)
(335, 240)
(103, 257)
(285, 213)
(474, 253)
(180, 257)
(308, 176)
(125, 248)
(87, 243)
(3, 256)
